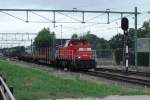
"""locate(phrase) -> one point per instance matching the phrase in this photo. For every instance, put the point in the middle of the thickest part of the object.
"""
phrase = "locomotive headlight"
(85, 49)
(89, 49)
(79, 57)
(81, 49)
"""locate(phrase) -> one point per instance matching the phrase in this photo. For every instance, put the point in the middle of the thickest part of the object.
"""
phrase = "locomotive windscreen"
(75, 42)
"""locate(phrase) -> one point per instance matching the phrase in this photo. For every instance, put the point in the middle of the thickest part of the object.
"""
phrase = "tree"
(102, 44)
(116, 41)
(45, 38)
(144, 31)
(97, 43)
(74, 36)
(91, 38)
(131, 38)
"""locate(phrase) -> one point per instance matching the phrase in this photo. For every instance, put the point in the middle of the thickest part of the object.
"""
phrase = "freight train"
(13, 52)
(76, 54)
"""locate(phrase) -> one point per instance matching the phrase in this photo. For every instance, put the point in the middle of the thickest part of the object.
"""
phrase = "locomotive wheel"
(59, 63)
(79, 65)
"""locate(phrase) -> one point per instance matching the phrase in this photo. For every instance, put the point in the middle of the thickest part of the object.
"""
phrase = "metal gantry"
(13, 39)
(14, 36)
(135, 37)
(56, 12)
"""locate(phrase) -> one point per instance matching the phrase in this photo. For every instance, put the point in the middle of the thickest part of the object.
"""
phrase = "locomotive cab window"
(75, 43)
(67, 43)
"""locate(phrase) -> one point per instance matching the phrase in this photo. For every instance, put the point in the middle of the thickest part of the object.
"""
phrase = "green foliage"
(45, 38)
(97, 43)
(74, 36)
(144, 31)
(117, 41)
(143, 59)
(118, 56)
(33, 84)
(131, 38)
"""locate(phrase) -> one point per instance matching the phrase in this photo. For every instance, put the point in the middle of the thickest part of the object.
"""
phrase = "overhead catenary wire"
(98, 23)
(94, 17)
(41, 16)
(111, 21)
(70, 17)
(107, 29)
(13, 16)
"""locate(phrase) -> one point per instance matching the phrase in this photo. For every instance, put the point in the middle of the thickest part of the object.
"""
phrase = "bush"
(143, 59)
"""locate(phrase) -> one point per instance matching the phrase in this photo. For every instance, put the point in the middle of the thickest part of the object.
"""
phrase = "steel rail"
(118, 77)
(140, 73)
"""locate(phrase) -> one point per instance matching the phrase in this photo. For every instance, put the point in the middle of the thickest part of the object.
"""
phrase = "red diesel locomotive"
(76, 54)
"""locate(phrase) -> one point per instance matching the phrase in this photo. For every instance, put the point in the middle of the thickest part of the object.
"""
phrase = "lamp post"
(149, 50)
(149, 41)
(135, 38)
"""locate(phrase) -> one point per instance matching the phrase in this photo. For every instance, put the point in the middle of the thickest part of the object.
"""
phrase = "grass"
(31, 84)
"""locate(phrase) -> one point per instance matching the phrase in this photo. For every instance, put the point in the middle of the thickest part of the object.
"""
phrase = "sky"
(107, 31)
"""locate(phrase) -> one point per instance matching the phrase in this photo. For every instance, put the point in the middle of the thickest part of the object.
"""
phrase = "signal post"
(124, 26)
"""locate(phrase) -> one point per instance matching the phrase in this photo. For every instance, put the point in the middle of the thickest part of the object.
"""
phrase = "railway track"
(120, 77)
(141, 78)
(130, 72)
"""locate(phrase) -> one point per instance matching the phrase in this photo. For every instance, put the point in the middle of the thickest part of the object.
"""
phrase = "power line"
(12, 16)
(94, 17)
(70, 17)
(41, 16)
(118, 19)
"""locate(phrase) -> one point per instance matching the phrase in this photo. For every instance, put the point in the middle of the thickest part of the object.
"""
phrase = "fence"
(105, 57)
(5, 93)
(143, 47)
(116, 57)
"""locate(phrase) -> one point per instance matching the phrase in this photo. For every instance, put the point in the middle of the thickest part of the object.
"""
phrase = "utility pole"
(149, 42)
(31, 47)
(149, 49)
(135, 38)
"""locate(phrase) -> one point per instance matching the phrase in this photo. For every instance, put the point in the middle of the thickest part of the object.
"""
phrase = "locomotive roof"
(77, 40)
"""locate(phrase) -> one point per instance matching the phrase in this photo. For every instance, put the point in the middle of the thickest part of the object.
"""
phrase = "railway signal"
(124, 26)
